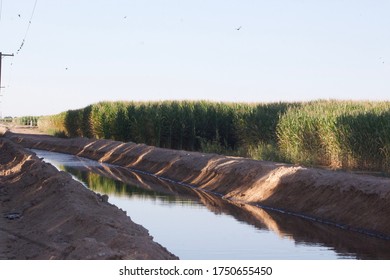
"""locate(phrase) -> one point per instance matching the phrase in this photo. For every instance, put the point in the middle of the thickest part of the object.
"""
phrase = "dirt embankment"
(45, 214)
(355, 201)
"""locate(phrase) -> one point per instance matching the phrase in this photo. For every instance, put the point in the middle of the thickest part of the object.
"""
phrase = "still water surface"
(196, 225)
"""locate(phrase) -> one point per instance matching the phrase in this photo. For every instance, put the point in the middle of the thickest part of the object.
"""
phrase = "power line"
(28, 27)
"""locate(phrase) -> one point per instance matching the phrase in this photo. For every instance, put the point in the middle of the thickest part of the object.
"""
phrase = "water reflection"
(136, 193)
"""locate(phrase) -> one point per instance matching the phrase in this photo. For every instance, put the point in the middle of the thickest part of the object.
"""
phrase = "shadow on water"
(124, 182)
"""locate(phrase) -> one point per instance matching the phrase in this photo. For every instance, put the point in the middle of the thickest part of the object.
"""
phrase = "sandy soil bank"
(358, 202)
(45, 214)
(286, 226)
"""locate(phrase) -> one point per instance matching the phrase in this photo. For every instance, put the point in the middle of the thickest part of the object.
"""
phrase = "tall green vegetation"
(26, 120)
(54, 124)
(342, 134)
(201, 125)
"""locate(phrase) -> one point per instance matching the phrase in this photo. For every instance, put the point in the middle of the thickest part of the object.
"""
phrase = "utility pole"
(1, 58)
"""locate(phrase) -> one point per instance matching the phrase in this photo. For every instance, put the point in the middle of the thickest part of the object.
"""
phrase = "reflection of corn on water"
(179, 216)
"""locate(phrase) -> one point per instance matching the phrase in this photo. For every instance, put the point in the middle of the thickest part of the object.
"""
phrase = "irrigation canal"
(196, 225)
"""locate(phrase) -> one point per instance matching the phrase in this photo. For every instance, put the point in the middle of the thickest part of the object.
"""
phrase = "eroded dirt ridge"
(45, 214)
(352, 201)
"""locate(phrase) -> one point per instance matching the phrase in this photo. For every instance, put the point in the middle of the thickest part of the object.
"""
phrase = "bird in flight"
(18, 15)
(238, 28)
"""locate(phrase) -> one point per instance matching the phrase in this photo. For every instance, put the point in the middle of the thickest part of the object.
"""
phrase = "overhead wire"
(12, 59)
(23, 41)
(28, 27)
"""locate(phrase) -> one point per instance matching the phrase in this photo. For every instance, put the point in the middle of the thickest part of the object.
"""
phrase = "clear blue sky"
(81, 52)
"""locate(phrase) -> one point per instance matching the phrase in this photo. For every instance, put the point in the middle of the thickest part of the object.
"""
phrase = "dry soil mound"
(45, 214)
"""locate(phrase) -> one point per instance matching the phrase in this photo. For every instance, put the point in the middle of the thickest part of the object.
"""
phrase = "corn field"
(350, 135)
(339, 134)
(26, 120)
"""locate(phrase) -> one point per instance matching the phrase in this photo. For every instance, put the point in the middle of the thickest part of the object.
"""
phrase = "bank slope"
(350, 201)
(48, 215)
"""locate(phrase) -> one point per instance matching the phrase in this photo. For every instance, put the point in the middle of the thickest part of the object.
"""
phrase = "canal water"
(195, 225)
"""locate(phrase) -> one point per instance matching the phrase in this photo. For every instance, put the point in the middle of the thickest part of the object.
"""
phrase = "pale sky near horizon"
(81, 52)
